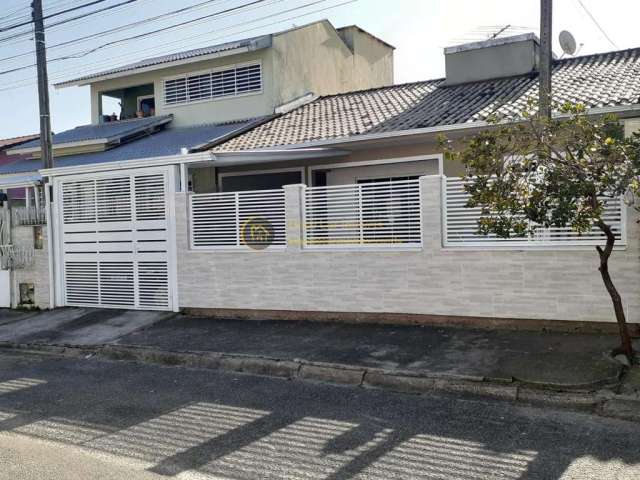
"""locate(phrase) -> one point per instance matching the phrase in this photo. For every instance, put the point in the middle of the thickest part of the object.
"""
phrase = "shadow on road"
(244, 427)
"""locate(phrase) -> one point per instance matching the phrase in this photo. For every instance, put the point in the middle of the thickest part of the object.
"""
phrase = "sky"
(419, 29)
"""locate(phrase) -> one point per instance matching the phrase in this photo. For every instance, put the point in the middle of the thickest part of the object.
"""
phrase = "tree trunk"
(625, 339)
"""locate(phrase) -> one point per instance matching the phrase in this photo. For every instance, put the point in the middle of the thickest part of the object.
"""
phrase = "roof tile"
(607, 79)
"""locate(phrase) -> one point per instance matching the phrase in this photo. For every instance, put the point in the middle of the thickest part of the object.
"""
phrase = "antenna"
(567, 42)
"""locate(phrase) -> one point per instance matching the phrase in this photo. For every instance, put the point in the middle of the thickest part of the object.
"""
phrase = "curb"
(598, 401)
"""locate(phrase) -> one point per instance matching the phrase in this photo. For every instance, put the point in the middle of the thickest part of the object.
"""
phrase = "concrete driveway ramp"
(76, 326)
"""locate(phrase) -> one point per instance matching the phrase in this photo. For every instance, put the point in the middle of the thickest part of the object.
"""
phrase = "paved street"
(63, 418)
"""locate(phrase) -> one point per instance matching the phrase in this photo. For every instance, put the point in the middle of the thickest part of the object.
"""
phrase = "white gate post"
(431, 204)
(294, 215)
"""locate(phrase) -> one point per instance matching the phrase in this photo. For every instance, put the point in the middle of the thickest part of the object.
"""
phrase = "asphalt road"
(68, 419)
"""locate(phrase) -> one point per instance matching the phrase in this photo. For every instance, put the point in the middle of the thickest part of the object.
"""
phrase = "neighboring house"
(7, 144)
(365, 219)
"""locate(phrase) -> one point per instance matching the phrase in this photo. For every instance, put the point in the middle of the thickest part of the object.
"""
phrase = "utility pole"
(544, 98)
(43, 84)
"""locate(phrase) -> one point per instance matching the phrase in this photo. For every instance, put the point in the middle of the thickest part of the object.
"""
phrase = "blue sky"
(419, 29)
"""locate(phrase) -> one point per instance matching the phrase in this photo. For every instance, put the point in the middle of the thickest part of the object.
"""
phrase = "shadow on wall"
(192, 421)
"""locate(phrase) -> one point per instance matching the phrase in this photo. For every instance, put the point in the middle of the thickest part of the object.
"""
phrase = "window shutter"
(199, 87)
(206, 86)
(248, 79)
(175, 91)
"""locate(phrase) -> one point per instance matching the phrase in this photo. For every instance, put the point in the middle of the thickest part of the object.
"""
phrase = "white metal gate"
(115, 238)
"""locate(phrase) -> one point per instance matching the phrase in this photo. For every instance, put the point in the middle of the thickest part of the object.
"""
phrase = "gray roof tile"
(254, 43)
(600, 80)
(110, 130)
(163, 143)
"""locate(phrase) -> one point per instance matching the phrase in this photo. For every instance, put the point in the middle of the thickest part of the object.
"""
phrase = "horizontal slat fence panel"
(462, 225)
(218, 219)
(378, 214)
(29, 215)
(115, 241)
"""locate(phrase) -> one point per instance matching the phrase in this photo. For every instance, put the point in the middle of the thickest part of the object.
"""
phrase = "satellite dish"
(567, 42)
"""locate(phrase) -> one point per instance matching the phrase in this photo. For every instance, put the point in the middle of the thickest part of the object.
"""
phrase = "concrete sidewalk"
(554, 359)
(571, 369)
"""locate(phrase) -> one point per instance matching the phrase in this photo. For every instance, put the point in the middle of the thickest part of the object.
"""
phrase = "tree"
(561, 172)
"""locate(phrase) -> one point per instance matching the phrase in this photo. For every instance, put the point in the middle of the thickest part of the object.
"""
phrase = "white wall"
(38, 273)
(528, 284)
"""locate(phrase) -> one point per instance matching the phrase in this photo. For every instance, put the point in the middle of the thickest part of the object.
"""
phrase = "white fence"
(29, 215)
(229, 220)
(376, 214)
(461, 225)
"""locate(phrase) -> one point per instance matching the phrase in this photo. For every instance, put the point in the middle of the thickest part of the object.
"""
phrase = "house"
(363, 217)
(185, 102)
(15, 194)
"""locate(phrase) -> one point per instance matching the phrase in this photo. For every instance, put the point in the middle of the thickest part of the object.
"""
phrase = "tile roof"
(10, 142)
(109, 130)
(253, 43)
(600, 80)
(163, 143)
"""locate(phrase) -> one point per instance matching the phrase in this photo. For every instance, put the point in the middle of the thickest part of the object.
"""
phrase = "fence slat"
(377, 214)
(462, 225)
(216, 219)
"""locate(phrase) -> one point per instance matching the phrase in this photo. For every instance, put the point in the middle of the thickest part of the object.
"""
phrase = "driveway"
(74, 326)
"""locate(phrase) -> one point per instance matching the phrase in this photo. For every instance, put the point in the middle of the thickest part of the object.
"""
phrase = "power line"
(17, 25)
(63, 73)
(134, 37)
(25, 35)
(115, 29)
(67, 20)
(593, 19)
(109, 61)
(15, 15)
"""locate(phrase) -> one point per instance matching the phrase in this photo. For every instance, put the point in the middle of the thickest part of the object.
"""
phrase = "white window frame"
(186, 76)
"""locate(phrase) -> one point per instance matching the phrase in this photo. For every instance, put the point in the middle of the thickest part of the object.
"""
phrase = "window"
(228, 82)
(388, 179)
(258, 181)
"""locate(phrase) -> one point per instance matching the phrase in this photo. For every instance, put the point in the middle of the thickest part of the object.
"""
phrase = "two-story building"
(174, 105)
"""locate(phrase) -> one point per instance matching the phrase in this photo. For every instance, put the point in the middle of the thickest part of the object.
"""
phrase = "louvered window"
(175, 91)
(237, 80)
